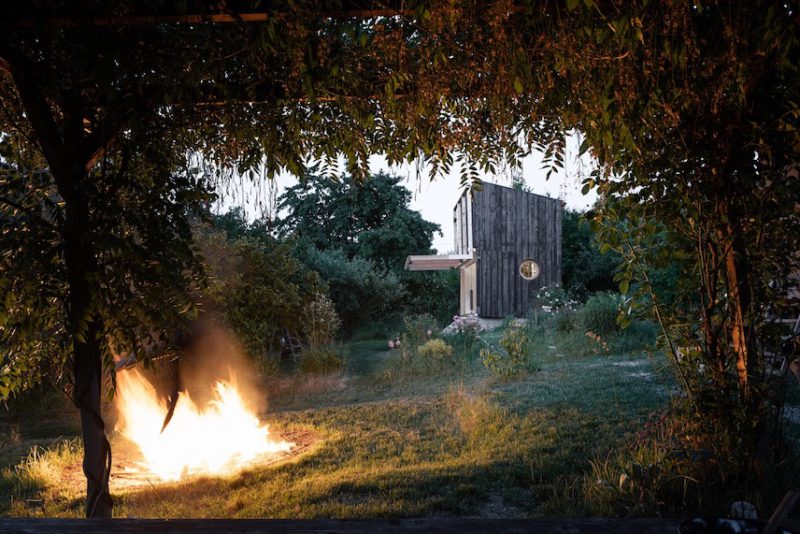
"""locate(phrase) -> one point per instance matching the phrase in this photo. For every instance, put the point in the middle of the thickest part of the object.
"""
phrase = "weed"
(514, 359)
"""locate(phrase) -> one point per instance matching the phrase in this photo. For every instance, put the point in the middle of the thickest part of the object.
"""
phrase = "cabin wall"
(508, 227)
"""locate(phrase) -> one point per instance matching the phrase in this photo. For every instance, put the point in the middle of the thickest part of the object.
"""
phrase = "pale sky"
(435, 199)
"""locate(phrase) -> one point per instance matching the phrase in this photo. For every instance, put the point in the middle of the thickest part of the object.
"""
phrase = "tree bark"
(86, 329)
(96, 448)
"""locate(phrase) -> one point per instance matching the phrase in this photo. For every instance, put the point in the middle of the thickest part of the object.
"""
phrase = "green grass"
(391, 445)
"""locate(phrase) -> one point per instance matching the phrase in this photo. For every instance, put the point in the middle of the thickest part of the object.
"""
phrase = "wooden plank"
(492, 243)
(334, 526)
(520, 307)
(559, 244)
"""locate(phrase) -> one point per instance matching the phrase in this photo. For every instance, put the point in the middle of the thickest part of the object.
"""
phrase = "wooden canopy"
(438, 263)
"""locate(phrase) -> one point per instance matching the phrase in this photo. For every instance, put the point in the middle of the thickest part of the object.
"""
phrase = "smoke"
(212, 354)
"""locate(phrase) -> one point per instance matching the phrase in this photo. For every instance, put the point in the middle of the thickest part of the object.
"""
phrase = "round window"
(529, 270)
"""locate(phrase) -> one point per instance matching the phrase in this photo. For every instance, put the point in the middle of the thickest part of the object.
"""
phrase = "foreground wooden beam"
(191, 18)
(333, 526)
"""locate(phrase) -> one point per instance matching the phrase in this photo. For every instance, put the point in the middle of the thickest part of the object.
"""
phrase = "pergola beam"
(13, 15)
(197, 18)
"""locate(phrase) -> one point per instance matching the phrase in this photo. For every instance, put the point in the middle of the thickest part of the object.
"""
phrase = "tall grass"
(41, 469)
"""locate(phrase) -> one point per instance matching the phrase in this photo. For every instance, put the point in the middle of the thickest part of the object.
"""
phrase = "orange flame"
(216, 439)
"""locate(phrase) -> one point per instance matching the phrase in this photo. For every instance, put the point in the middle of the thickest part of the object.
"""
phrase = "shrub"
(466, 325)
(320, 320)
(566, 321)
(417, 329)
(599, 314)
(360, 290)
(584, 268)
(436, 350)
(637, 336)
(464, 335)
(434, 292)
(257, 287)
(321, 359)
(421, 352)
(514, 358)
(669, 466)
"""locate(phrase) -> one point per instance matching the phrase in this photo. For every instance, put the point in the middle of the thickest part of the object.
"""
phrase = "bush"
(553, 298)
(566, 321)
(436, 350)
(422, 353)
(599, 314)
(514, 358)
(464, 336)
(584, 268)
(321, 359)
(361, 291)
(432, 292)
(256, 287)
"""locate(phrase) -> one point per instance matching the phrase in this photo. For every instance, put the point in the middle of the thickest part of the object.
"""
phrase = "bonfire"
(218, 437)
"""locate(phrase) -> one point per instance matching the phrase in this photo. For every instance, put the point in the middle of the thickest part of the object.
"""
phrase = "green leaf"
(624, 285)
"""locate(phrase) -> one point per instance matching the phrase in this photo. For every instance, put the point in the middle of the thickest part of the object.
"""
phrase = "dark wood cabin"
(507, 247)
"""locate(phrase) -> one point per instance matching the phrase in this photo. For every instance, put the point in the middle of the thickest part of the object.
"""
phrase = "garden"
(516, 422)
(656, 376)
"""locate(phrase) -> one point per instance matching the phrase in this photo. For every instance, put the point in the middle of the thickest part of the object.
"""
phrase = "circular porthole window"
(529, 270)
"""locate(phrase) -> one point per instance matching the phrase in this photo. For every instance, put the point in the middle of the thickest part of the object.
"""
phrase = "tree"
(712, 156)
(256, 284)
(584, 268)
(77, 292)
(371, 220)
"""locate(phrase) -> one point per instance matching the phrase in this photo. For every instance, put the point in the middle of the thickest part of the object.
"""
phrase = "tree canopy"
(371, 220)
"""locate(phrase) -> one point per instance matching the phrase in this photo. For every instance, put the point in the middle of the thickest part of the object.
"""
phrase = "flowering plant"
(467, 325)
(554, 298)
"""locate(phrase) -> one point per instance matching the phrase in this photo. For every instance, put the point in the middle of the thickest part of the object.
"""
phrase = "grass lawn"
(459, 443)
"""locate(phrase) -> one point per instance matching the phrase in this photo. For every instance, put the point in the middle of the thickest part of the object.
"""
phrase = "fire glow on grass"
(215, 439)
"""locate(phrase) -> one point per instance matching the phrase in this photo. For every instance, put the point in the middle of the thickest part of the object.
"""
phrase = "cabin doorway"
(469, 291)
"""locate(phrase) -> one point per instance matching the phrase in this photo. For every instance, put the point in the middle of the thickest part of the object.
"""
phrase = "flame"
(215, 439)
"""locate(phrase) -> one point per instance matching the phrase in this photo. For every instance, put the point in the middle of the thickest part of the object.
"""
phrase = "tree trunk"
(86, 330)
(63, 148)
(96, 448)
(739, 299)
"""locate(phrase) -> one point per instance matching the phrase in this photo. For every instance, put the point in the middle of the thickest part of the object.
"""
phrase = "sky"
(435, 199)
